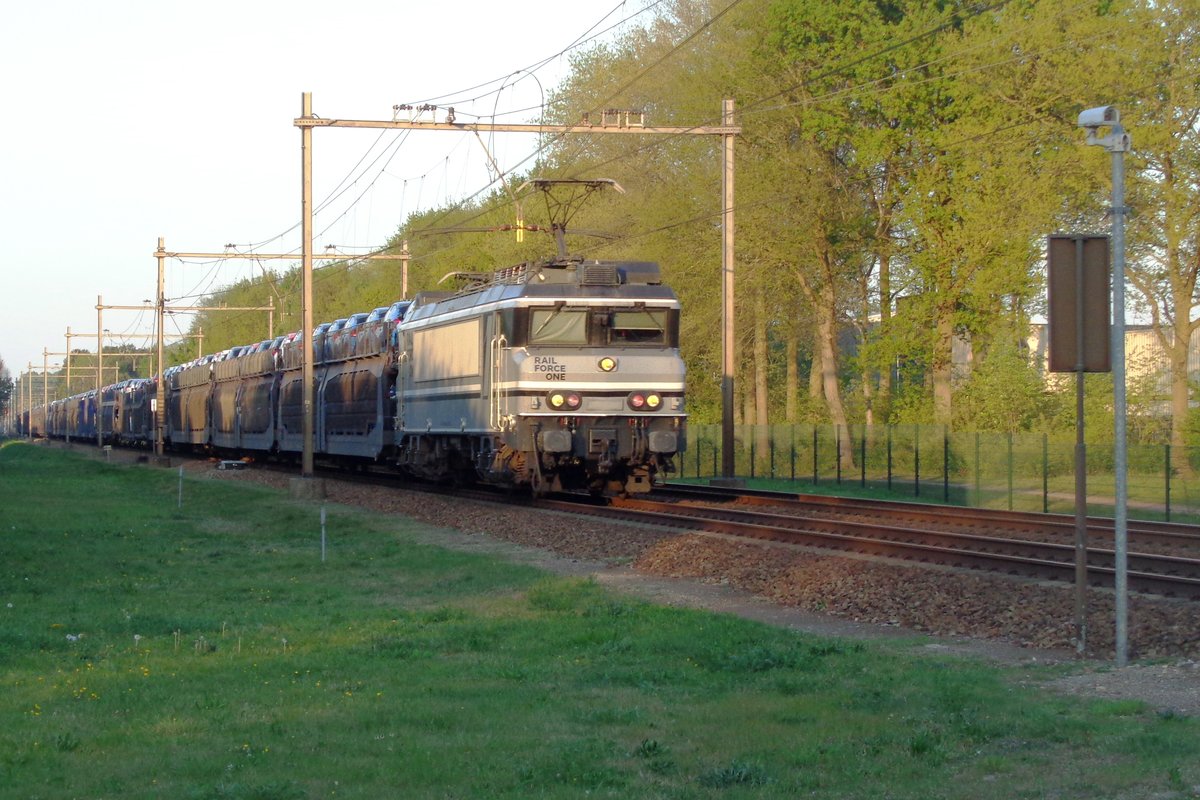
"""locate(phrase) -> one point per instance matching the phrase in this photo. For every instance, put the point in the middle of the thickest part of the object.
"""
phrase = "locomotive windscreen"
(638, 327)
(558, 326)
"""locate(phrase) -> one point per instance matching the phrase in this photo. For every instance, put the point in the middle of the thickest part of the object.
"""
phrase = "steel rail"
(1164, 575)
(1145, 531)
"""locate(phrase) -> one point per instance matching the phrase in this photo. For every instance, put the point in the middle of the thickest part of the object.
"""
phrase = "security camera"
(1100, 115)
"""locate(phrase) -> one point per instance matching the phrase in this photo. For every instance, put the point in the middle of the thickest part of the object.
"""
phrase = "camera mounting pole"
(1118, 143)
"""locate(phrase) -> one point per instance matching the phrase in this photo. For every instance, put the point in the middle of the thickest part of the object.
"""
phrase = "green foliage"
(1004, 394)
(6, 388)
(899, 166)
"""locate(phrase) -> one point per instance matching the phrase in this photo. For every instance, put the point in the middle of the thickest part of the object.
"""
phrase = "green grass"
(148, 651)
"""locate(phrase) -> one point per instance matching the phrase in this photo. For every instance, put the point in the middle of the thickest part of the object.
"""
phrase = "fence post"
(771, 443)
(889, 459)
(862, 457)
(1010, 471)
(916, 461)
(1167, 473)
(753, 448)
(793, 452)
(978, 479)
(1045, 475)
(945, 465)
(814, 454)
(837, 452)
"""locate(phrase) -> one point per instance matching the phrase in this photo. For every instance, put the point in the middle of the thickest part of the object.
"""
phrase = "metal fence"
(1023, 472)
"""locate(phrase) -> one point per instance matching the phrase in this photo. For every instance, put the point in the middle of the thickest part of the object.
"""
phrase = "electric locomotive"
(564, 375)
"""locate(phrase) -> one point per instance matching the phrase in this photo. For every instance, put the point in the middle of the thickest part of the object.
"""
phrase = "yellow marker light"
(557, 400)
(653, 401)
(608, 364)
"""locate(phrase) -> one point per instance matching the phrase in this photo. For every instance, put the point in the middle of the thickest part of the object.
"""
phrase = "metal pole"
(978, 474)
(1010, 471)
(99, 370)
(68, 364)
(45, 371)
(1120, 459)
(945, 464)
(1045, 474)
(404, 256)
(1080, 468)
(160, 387)
(306, 313)
(889, 457)
(917, 461)
(1167, 476)
(270, 317)
(1117, 142)
(727, 267)
(814, 449)
(862, 456)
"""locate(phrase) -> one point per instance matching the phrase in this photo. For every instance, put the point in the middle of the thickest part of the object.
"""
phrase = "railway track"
(964, 538)
(1051, 527)
(1018, 544)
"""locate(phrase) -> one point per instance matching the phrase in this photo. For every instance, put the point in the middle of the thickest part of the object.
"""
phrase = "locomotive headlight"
(645, 401)
(559, 400)
(607, 364)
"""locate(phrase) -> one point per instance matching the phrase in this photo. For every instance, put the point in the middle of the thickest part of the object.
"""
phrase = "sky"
(135, 119)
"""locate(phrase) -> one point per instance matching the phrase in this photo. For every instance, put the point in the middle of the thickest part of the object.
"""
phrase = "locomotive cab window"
(638, 327)
(595, 327)
(558, 326)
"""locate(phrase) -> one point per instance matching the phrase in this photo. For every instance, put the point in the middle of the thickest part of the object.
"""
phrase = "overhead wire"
(757, 108)
(584, 38)
(554, 138)
(529, 71)
(579, 41)
(622, 88)
(954, 18)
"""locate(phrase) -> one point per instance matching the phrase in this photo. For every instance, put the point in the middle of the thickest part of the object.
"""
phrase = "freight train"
(558, 375)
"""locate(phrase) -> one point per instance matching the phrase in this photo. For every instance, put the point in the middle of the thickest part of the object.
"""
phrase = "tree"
(900, 165)
(6, 388)
(1163, 114)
